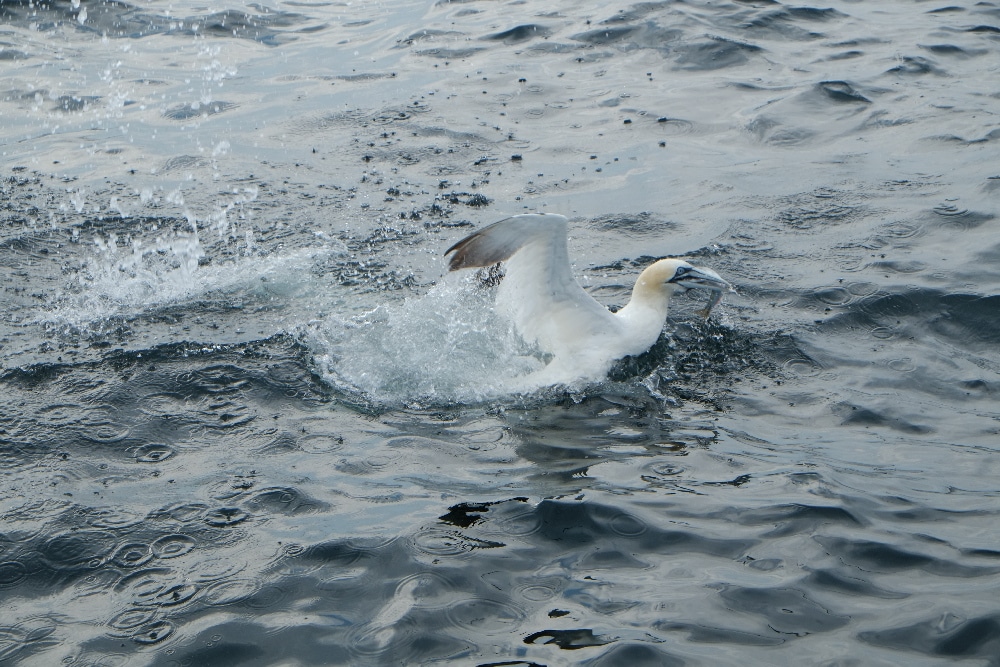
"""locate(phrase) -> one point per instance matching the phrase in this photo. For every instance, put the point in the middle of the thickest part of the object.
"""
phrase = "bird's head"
(669, 275)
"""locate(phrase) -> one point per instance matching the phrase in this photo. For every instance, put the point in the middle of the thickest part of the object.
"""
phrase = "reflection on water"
(245, 419)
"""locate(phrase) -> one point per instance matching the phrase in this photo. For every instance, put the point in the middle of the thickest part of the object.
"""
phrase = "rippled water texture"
(245, 419)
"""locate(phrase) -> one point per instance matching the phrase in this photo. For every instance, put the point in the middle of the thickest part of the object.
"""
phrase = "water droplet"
(152, 453)
(153, 633)
(226, 516)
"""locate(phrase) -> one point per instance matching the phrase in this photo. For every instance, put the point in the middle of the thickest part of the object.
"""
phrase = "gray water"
(248, 420)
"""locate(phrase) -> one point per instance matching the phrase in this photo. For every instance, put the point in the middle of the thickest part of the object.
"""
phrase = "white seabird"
(550, 309)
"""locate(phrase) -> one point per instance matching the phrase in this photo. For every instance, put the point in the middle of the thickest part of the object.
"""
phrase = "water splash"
(126, 278)
(446, 346)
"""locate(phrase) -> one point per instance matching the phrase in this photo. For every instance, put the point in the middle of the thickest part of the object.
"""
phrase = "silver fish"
(714, 298)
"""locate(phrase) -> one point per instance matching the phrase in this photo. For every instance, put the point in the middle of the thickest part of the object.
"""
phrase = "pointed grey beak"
(703, 278)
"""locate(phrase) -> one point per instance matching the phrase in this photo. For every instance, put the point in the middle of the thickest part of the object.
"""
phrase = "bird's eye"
(681, 270)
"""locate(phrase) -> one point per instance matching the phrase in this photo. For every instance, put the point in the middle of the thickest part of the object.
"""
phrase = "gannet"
(552, 312)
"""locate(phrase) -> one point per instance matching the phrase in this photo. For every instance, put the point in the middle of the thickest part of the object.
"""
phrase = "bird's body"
(550, 309)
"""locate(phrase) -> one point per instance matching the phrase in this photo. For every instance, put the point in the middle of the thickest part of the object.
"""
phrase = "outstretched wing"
(538, 290)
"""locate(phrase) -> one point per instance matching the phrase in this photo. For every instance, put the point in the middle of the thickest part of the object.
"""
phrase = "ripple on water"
(143, 586)
(172, 546)
(230, 591)
(151, 453)
(902, 365)
(223, 517)
(889, 306)
(183, 512)
(945, 635)
(320, 443)
(13, 639)
(438, 542)
(266, 596)
(627, 525)
(114, 518)
(284, 500)
(177, 594)
(375, 640)
(153, 633)
(217, 568)
(834, 296)
(77, 549)
(541, 590)
(127, 621)
(427, 590)
(482, 616)
(12, 573)
(786, 610)
(132, 554)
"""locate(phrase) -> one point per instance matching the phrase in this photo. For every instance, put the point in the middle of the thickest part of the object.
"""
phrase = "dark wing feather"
(499, 241)
(538, 291)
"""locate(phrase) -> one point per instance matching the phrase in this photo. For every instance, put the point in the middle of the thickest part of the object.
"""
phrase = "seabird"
(550, 309)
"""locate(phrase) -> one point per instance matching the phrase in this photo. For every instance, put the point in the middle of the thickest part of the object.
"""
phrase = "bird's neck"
(645, 314)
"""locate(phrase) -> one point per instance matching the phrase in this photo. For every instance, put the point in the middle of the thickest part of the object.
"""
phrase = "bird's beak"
(703, 278)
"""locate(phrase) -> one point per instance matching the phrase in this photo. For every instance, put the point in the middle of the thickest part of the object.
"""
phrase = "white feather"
(550, 309)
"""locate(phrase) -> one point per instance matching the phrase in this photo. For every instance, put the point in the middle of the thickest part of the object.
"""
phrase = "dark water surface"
(246, 420)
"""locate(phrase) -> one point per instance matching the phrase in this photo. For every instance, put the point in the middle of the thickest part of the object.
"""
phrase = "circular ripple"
(539, 591)
(902, 230)
(485, 617)
(367, 545)
(153, 633)
(666, 469)
(12, 640)
(893, 306)
(884, 333)
(862, 289)
(172, 546)
(524, 523)
(187, 512)
(438, 542)
(112, 518)
(133, 554)
(950, 210)
(101, 658)
(321, 443)
(175, 595)
(834, 296)
(145, 585)
(12, 573)
(851, 263)
(226, 490)
(267, 596)
(131, 619)
(904, 365)
(675, 126)
(229, 592)
(152, 453)
(378, 461)
(214, 569)
(427, 590)
(74, 549)
(627, 525)
(106, 433)
(226, 516)
(293, 550)
(804, 367)
(375, 640)
(99, 580)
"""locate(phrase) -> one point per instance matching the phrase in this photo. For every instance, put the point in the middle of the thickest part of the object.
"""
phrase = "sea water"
(248, 418)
